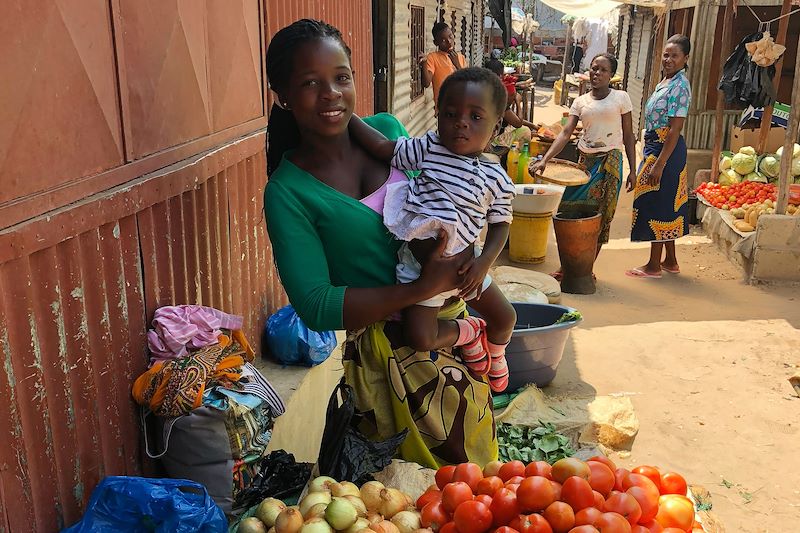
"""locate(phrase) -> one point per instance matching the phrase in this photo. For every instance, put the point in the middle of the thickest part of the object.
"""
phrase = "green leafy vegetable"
(527, 444)
(571, 316)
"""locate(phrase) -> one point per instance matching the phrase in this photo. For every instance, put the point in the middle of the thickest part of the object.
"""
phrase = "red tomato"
(584, 529)
(639, 480)
(601, 477)
(511, 469)
(535, 493)
(619, 477)
(504, 507)
(652, 526)
(560, 516)
(647, 501)
(485, 499)
(649, 472)
(472, 517)
(605, 460)
(469, 473)
(612, 523)
(539, 468)
(492, 468)
(673, 483)
(599, 501)
(454, 494)
(568, 467)
(512, 487)
(489, 485)
(444, 475)
(434, 516)
(427, 497)
(675, 511)
(577, 493)
(639, 529)
(587, 516)
(672, 530)
(449, 527)
(534, 523)
(505, 529)
(557, 489)
(624, 504)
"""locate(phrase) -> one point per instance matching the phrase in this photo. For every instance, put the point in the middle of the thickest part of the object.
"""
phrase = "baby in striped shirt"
(457, 192)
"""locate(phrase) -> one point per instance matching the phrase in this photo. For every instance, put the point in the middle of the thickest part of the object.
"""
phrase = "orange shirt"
(440, 66)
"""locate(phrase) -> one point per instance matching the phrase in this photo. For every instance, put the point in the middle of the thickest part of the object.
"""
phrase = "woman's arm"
(426, 76)
(675, 126)
(629, 141)
(559, 144)
(371, 139)
(510, 117)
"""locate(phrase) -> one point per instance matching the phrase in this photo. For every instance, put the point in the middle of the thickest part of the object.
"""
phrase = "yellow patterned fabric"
(447, 411)
(667, 231)
(682, 194)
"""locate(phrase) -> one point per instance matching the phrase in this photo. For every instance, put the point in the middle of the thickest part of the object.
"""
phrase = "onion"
(268, 510)
(392, 502)
(358, 525)
(312, 499)
(341, 514)
(271, 530)
(407, 521)
(252, 525)
(373, 517)
(371, 494)
(316, 525)
(321, 484)
(424, 530)
(384, 527)
(358, 503)
(345, 488)
(289, 521)
(317, 510)
(365, 530)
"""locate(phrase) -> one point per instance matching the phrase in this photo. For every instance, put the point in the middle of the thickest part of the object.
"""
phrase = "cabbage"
(795, 151)
(725, 163)
(729, 177)
(755, 176)
(795, 170)
(770, 166)
(747, 150)
(743, 163)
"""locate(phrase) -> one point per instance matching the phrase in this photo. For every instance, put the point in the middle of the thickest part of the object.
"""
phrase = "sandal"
(639, 273)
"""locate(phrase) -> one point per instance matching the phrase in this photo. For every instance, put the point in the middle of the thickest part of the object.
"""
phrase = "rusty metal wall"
(353, 18)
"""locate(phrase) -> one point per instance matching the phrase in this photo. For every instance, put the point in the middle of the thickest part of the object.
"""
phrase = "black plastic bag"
(745, 83)
(345, 453)
(279, 476)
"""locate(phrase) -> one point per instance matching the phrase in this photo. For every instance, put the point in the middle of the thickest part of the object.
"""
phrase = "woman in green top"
(337, 260)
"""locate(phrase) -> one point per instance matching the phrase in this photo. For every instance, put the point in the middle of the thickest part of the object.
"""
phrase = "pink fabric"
(177, 329)
(376, 200)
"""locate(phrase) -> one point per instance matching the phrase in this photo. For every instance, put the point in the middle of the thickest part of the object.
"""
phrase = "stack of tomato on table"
(571, 496)
(731, 196)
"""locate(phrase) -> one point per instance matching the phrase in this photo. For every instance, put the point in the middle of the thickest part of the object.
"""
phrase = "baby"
(458, 191)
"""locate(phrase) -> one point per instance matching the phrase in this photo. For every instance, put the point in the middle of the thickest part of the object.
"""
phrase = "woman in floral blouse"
(660, 205)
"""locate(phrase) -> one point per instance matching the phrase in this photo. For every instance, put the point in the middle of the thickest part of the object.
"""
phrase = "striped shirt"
(465, 192)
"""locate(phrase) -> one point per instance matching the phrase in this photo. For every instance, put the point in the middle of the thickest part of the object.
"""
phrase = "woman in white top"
(606, 117)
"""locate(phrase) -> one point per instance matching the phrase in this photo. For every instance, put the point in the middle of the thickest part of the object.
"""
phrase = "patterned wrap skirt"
(660, 211)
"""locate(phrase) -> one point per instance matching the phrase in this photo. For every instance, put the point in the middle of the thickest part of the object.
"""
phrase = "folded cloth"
(179, 328)
(253, 382)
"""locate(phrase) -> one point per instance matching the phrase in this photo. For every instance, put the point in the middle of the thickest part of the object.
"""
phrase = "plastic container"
(539, 198)
(511, 162)
(523, 175)
(527, 238)
(537, 344)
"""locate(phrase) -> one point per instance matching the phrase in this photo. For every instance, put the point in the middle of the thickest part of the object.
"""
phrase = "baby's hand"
(474, 272)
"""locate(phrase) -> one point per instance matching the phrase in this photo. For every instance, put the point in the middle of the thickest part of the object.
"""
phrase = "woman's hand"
(538, 168)
(474, 272)
(442, 273)
(630, 183)
(654, 176)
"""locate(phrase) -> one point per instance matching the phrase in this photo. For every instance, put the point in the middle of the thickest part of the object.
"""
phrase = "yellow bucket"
(527, 240)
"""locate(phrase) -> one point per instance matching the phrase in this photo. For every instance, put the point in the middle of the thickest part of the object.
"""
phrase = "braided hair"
(480, 75)
(282, 131)
(612, 60)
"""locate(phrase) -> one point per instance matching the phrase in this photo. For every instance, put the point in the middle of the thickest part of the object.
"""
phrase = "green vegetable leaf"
(549, 443)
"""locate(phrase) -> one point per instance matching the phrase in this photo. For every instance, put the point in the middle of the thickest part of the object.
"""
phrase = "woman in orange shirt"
(437, 65)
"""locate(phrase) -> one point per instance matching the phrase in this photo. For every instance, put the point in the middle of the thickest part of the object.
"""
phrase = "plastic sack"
(291, 342)
(745, 83)
(137, 505)
(345, 453)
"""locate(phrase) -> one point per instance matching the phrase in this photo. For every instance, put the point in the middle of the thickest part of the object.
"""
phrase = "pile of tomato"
(732, 196)
(571, 496)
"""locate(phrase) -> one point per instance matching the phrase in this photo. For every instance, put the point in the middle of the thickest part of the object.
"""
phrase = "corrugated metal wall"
(636, 61)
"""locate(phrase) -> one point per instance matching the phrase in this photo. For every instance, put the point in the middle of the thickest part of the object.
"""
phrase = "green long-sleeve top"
(324, 241)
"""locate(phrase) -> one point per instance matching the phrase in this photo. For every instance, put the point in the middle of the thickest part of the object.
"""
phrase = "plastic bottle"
(564, 117)
(523, 175)
(511, 163)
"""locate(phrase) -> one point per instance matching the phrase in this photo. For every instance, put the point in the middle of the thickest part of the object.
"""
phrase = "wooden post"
(727, 29)
(766, 118)
(567, 53)
(788, 145)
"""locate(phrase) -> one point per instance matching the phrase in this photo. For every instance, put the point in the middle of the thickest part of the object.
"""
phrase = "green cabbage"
(770, 166)
(743, 163)
(729, 177)
(795, 170)
(725, 163)
(747, 150)
(795, 151)
(755, 176)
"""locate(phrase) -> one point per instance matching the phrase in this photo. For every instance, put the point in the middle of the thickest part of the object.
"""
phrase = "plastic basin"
(537, 344)
(537, 198)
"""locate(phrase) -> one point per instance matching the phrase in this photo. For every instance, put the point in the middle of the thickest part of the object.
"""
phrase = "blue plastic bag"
(291, 342)
(142, 505)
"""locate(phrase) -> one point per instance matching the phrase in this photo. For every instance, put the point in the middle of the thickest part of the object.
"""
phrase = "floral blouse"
(670, 99)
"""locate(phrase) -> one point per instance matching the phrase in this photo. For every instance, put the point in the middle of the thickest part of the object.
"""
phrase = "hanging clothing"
(596, 41)
(178, 329)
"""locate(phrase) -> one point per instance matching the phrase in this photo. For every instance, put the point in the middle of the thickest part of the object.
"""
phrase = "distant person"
(438, 65)
(577, 57)
(661, 197)
(608, 129)
(509, 116)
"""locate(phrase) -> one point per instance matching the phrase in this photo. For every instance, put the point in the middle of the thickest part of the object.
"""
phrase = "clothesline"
(765, 24)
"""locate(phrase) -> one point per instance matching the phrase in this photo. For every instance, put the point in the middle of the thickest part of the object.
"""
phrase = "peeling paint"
(122, 304)
(77, 293)
(7, 365)
(115, 231)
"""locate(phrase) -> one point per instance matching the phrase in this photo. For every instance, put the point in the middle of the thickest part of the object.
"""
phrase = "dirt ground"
(705, 358)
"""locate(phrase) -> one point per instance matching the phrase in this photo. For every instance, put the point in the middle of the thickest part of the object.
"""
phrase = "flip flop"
(671, 270)
(639, 273)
